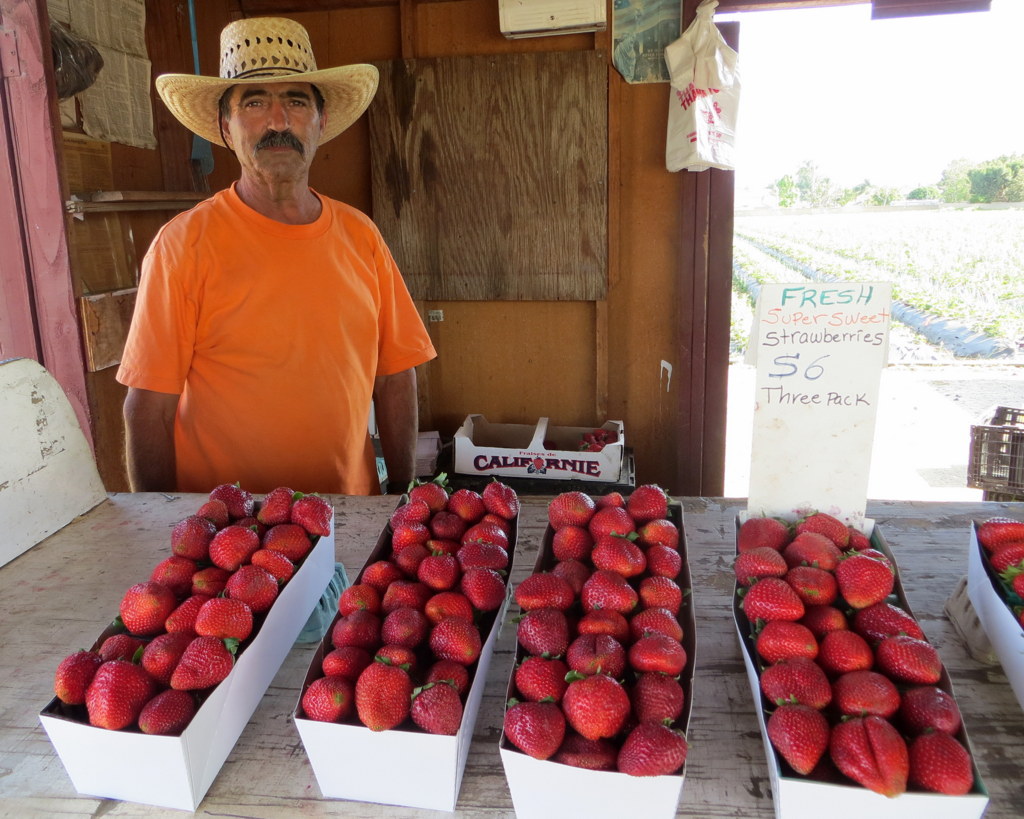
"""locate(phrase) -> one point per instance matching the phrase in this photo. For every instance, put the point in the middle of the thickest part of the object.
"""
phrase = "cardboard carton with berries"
(855, 705)
(541, 450)
(397, 682)
(152, 710)
(599, 699)
(995, 585)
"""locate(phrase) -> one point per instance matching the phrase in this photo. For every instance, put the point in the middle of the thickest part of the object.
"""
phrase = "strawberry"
(404, 627)
(610, 521)
(543, 632)
(117, 693)
(442, 525)
(658, 532)
(823, 619)
(436, 708)
(657, 698)
(276, 507)
(660, 592)
(651, 749)
(544, 590)
(570, 509)
(858, 540)
(796, 680)
(939, 763)
(759, 562)
(785, 639)
(492, 519)
(251, 523)
(405, 594)
(451, 672)
(909, 660)
(925, 708)
(210, 581)
(997, 531)
(575, 572)
(439, 572)
(313, 513)
(610, 499)
(541, 678)
(347, 661)
(439, 546)
(215, 511)
(410, 558)
(73, 675)
(618, 554)
(486, 531)
(827, 525)
(591, 754)
(1007, 556)
(605, 621)
(224, 618)
(485, 588)
(383, 695)
(572, 543)
(448, 604)
(168, 713)
(380, 574)
(816, 587)
(477, 555)
(501, 500)
(163, 653)
(772, 598)
(255, 587)
(872, 753)
(360, 629)
(433, 493)
(800, 734)
(535, 728)
(663, 561)
(657, 652)
(858, 693)
(329, 699)
(654, 620)
(233, 545)
(608, 590)
(415, 511)
(596, 654)
(145, 607)
(359, 596)
(275, 563)
(864, 581)
(467, 504)
(882, 620)
(455, 639)
(596, 706)
(402, 656)
(239, 501)
(646, 503)
(120, 647)
(812, 549)
(762, 533)
(844, 650)
(191, 537)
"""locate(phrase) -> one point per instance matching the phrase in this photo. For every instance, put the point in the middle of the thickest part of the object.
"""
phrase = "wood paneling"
(105, 321)
(490, 176)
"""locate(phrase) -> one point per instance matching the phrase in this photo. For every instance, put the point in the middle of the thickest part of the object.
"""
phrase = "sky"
(888, 101)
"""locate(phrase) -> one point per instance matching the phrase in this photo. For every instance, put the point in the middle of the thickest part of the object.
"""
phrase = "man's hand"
(394, 398)
(149, 440)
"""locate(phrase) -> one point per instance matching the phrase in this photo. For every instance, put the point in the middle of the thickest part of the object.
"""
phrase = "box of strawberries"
(152, 710)
(995, 585)
(599, 699)
(397, 681)
(855, 706)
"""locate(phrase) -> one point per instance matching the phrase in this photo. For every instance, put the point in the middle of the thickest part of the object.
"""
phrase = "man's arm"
(149, 440)
(394, 398)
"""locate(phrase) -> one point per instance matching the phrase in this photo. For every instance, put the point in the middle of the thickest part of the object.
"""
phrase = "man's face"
(273, 128)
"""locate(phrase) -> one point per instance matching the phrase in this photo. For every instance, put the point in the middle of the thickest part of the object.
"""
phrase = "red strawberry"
(436, 708)
(827, 525)
(359, 596)
(864, 581)
(651, 749)
(313, 513)
(881, 557)
(941, 764)
(571, 509)
(439, 572)
(608, 590)
(383, 695)
(255, 587)
(347, 661)
(999, 530)
(647, 502)
(657, 698)
(591, 754)
(844, 650)
(276, 507)
(405, 627)
(596, 706)
(816, 587)
(758, 562)
(492, 519)
(620, 555)
(215, 511)
(239, 501)
(604, 621)
(410, 558)
(360, 629)
(661, 560)
(572, 543)
(329, 699)
(761, 533)
(275, 563)
(457, 640)
(544, 590)
(596, 654)
(485, 588)
(163, 653)
(823, 619)
(544, 632)
(927, 707)
(772, 599)
(658, 532)
(210, 581)
(872, 753)
(655, 620)
(117, 693)
(785, 639)
(800, 734)
(858, 540)
(233, 545)
(145, 607)
(486, 532)
(796, 680)
(290, 539)
(467, 504)
(610, 521)
(402, 656)
(660, 592)
(501, 500)
(380, 574)
(438, 546)
(442, 525)
(882, 620)
(225, 619)
(73, 675)
(120, 647)
(191, 537)
(535, 728)
(476, 555)
(405, 594)
(205, 662)
(610, 499)
(540, 678)
(657, 652)
(449, 671)
(574, 572)
(812, 549)
(909, 660)
(858, 693)
(1007, 556)
(415, 511)
(251, 523)
(433, 493)
(168, 713)
(448, 604)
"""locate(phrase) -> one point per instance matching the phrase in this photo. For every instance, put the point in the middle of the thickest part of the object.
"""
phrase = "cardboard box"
(798, 797)
(542, 788)
(989, 597)
(352, 762)
(536, 451)
(177, 771)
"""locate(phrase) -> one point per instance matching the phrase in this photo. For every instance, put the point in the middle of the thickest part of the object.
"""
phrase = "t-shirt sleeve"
(403, 341)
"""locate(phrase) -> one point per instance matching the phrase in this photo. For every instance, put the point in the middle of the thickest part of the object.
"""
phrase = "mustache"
(279, 139)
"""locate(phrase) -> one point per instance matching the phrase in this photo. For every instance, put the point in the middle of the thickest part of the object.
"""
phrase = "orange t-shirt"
(272, 334)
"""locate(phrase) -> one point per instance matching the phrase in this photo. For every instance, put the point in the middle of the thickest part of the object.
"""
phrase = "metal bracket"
(9, 61)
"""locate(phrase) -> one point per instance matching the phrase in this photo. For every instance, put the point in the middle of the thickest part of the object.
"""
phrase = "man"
(269, 317)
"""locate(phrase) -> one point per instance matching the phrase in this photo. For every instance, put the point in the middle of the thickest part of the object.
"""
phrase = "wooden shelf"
(99, 201)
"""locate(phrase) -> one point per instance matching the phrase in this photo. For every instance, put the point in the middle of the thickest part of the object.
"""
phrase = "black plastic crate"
(997, 454)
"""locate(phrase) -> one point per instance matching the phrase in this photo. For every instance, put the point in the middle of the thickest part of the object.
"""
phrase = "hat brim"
(195, 100)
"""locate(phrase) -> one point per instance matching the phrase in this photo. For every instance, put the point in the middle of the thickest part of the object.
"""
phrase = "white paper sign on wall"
(819, 349)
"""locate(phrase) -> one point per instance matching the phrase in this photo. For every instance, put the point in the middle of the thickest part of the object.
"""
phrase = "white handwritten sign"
(820, 349)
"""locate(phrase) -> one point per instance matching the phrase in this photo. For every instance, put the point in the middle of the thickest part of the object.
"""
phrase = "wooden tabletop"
(59, 595)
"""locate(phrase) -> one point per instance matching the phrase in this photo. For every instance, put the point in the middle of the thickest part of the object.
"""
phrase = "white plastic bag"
(704, 97)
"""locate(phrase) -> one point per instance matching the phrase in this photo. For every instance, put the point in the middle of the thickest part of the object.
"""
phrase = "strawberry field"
(957, 275)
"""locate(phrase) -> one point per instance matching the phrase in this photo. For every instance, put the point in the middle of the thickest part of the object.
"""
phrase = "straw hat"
(261, 49)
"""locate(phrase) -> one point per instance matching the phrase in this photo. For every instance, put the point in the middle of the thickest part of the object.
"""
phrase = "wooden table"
(58, 596)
